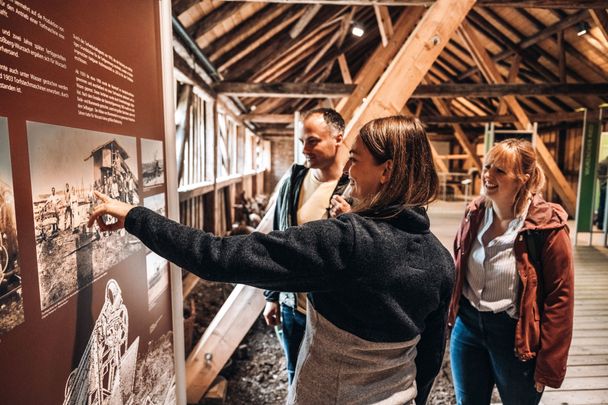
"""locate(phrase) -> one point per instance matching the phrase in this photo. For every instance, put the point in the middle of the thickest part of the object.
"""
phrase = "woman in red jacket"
(513, 303)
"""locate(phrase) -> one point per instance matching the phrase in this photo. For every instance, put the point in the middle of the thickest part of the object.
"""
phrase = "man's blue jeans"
(293, 325)
(482, 354)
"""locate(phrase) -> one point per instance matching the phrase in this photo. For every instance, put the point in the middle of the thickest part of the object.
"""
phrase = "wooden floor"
(587, 377)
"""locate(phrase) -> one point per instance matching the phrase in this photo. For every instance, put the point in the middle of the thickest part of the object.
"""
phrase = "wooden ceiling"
(276, 58)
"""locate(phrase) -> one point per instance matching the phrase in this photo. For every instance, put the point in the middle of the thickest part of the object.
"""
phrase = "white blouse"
(492, 282)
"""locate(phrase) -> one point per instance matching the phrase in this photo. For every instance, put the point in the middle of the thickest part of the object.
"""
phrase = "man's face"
(53, 191)
(320, 147)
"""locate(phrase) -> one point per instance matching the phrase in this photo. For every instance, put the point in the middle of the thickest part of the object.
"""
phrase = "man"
(68, 214)
(52, 207)
(304, 195)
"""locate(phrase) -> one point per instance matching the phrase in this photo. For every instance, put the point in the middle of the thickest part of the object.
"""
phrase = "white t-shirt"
(312, 206)
(314, 198)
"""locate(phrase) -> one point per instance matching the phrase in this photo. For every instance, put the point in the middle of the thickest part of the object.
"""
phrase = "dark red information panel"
(85, 315)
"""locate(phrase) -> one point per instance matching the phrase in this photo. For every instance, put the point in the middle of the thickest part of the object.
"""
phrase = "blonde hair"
(413, 181)
(520, 158)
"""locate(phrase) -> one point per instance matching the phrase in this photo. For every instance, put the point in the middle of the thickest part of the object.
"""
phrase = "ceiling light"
(358, 31)
(582, 28)
(253, 107)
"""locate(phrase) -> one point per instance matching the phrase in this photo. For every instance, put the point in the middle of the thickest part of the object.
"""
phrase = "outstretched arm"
(313, 257)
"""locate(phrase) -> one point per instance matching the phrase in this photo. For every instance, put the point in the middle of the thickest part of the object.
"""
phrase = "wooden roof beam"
(178, 7)
(579, 4)
(450, 90)
(244, 30)
(309, 14)
(411, 63)
(273, 56)
(489, 69)
(459, 133)
(600, 17)
(385, 25)
(377, 63)
(277, 25)
(269, 118)
(534, 39)
(208, 22)
(285, 90)
(504, 119)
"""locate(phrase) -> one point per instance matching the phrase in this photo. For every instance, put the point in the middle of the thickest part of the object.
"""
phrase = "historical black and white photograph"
(111, 370)
(66, 166)
(156, 203)
(152, 162)
(157, 270)
(11, 302)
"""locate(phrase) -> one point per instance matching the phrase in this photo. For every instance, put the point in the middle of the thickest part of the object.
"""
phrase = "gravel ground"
(256, 373)
(260, 377)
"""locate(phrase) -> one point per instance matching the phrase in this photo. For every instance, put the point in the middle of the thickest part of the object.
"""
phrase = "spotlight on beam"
(358, 30)
(582, 28)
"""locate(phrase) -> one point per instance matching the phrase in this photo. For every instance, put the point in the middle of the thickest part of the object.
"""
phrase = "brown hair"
(413, 181)
(332, 118)
(520, 157)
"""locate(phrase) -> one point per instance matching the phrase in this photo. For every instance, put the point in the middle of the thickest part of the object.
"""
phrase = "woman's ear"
(386, 172)
(525, 178)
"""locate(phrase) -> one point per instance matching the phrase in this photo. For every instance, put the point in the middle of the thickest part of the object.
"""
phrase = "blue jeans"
(482, 354)
(293, 325)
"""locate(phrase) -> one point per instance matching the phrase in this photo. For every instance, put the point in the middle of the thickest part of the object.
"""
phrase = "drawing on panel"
(66, 166)
(156, 203)
(110, 372)
(157, 270)
(152, 162)
(11, 302)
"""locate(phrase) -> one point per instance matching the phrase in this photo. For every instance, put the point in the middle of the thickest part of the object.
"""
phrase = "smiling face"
(500, 183)
(366, 175)
(320, 145)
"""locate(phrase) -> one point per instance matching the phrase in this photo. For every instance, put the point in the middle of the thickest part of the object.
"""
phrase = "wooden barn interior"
(469, 70)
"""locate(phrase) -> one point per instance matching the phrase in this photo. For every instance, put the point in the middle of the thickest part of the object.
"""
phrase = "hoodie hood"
(412, 220)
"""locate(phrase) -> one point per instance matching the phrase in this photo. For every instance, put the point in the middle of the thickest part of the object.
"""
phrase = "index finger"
(104, 198)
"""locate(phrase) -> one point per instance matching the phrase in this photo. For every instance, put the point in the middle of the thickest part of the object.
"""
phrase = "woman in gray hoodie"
(378, 281)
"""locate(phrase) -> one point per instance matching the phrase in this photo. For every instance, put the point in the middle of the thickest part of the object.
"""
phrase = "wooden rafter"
(582, 58)
(412, 62)
(344, 70)
(545, 74)
(212, 19)
(285, 90)
(385, 25)
(600, 17)
(489, 69)
(449, 90)
(334, 38)
(269, 118)
(309, 14)
(244, 30)
(178, 7)
(290, 57)
(480, 119)
(273, 54)
(512, 78)
(535, 39)
(379, 60)
(459, 133)
(276, 26)
(580, 4)
(439, 163)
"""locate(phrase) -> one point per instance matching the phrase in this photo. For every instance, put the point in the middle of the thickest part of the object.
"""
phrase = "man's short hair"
(331, 117)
